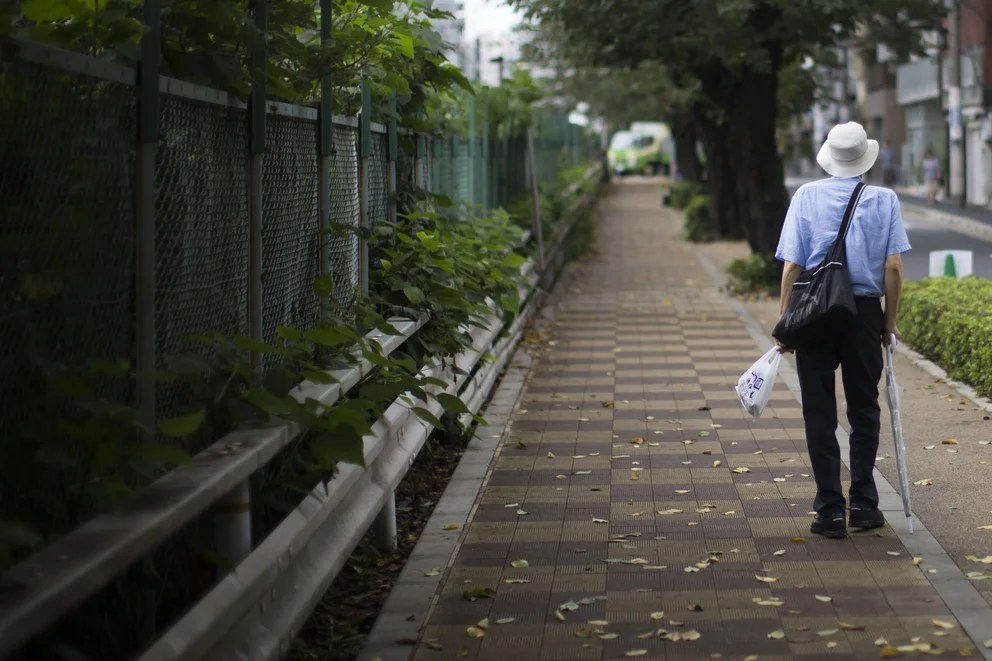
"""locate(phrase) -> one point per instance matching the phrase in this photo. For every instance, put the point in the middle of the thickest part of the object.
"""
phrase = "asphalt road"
(927, 236)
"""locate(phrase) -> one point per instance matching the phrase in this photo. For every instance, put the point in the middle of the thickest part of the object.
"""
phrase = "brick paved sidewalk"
(631, 483)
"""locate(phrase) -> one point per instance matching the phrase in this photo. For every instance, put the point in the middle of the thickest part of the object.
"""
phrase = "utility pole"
(956, 157)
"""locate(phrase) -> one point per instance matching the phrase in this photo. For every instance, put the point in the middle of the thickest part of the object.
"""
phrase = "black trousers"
(857, 349)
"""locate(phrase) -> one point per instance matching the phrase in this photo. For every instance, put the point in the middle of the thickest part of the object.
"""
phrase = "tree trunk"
(760, 173)
(684, 135)
(721, 179)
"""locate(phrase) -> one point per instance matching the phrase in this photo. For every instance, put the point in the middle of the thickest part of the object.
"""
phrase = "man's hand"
(782, 348)
(887, 334)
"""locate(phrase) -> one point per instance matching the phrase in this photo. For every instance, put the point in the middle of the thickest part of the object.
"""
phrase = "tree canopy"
(737, 56)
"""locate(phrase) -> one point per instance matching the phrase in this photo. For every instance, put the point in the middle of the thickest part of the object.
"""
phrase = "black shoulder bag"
(821, 298)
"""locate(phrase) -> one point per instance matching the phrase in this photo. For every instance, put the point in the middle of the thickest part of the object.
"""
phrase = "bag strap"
(838, 250)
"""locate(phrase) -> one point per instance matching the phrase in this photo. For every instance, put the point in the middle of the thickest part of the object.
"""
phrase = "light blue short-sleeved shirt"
(876, 231)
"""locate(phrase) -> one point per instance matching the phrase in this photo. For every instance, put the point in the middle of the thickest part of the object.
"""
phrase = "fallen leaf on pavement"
(436, 571)
(778, 634)
(520, 445)
(949, 441)
(827, 632)
(595, 520)
(451, 526)
(517, 581)
(881, 642)
(475, 632)
(691, 634)
(851, 627)
(658, 615)
(943, 624)
(798, 540)
(824, 598)
(779, 552)
(766, 579)
(519, 564)
(641, 652)
(695, 608)
(741, 469)
(928, 482)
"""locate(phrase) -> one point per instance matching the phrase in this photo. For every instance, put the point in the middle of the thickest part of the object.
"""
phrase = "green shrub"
(680, 193)
(755, 274)
(698, 227)
(950, 322)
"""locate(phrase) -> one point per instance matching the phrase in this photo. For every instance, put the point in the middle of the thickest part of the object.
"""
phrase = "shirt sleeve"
(898, 241)
(790, 243)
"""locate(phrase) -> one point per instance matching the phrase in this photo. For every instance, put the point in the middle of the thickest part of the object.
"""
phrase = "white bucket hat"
(847, 152)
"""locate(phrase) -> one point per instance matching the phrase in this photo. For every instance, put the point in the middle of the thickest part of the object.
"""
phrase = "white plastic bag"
(754, 388)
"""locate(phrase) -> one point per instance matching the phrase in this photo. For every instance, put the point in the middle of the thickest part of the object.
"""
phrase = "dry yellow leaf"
(798, 540)
(778, 634)
(881, 642)
(658, 615)
(944, 624)
(451, 526)
(741, 469)
(517, 581)
(716, 464)
(598, 623)
(949, 441)
(608, 636)
(635, 476)
(435, 571)
(682, 492)
(475, 632)
(691, 634)
(985, 527)
(595, 520)
(827, 632)
(779, 552)
(889, 652)
(559, 616)
(637, 440)
(928, 482)
(519, 564)
(824, 598)
(844, 626)
(766, 579)
(640, 652)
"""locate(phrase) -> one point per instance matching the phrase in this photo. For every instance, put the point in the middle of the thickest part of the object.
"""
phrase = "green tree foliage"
(392, 44)
(737, 52)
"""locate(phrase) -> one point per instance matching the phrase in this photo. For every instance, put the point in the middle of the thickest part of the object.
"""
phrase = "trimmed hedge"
(681, 193)
(698, 227)
(949, 321)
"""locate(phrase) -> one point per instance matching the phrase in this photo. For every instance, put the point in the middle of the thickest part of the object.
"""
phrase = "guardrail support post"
(232, 526)
(384, 526)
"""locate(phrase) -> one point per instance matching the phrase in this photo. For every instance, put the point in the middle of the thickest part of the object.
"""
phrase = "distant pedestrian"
(931, 175)
(887, 158)
(875, 243)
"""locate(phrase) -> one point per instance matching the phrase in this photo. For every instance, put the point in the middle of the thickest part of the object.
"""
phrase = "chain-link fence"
(66, 241)
(69, 273)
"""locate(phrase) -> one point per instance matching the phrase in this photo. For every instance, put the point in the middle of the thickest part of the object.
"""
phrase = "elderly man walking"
(875, 242)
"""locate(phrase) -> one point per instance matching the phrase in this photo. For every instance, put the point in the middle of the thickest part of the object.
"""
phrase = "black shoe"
(831, 525)
(866, 518)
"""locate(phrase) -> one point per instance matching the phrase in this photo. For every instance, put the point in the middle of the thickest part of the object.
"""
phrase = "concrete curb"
(964, 601)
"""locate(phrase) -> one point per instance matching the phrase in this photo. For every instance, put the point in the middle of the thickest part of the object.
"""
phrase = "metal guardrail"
(255, 610)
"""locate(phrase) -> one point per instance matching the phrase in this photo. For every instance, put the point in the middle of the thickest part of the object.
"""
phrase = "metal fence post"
(535, 198)
(326, 148)
(384, 526)
(145, 257)
(471, 194)
(365, 148)
(232, 514)
(392, 151)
